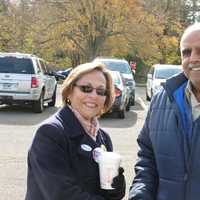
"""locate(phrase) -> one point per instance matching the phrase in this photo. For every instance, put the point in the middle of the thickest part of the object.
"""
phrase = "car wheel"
(53, 101)
(133, 99)
(128, 106)
(121, 114)
(38, 106)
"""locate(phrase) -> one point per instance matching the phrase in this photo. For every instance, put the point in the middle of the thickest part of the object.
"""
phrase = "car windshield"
(118, 66)
(16, 65)
(166, 73)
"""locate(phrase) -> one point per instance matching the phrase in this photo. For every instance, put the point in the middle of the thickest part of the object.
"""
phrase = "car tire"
(53, 101)
(38, 106)
(121, 114)
(133, 99)
(128, 106)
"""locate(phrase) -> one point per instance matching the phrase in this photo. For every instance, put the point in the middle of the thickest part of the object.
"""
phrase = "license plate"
(7, 85)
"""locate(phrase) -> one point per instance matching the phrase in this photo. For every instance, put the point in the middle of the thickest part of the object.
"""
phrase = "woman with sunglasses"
(61, 160)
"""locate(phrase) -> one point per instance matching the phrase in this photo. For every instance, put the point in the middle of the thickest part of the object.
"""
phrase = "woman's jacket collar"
(69, 119)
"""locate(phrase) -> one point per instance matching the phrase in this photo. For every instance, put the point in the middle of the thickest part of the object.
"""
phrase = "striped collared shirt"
(193, 101)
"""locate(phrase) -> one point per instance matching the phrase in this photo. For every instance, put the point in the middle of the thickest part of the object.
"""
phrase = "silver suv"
(26, 79)
(157, 75)
(124, 68)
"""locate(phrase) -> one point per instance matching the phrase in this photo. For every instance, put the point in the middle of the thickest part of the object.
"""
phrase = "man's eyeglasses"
(89, 89)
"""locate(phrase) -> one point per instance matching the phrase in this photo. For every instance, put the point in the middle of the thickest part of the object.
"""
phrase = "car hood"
(159, 81)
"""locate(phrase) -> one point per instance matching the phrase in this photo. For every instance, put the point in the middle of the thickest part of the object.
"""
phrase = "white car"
(26, 79)
(158, 75)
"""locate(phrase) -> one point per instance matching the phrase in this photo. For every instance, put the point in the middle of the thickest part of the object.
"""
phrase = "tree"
(86, 25)
(70, 32)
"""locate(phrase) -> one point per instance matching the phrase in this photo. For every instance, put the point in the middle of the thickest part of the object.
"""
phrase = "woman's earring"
(68, 101)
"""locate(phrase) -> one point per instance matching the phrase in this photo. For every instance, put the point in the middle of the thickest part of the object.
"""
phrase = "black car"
(122, 95)
(64, 73)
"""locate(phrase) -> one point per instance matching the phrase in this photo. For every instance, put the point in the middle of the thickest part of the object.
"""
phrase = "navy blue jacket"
(168, 165)
(60, 161)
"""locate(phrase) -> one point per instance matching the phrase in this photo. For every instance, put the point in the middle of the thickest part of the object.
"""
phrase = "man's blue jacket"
(168, 165)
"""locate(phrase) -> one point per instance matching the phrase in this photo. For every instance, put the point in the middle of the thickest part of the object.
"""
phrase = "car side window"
(43, 67)
(39, 70)
(48, 69)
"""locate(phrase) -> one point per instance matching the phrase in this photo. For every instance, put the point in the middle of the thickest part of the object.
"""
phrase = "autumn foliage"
(68, 32)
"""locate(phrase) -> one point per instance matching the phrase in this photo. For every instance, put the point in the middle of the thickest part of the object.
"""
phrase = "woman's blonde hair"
(78, 72)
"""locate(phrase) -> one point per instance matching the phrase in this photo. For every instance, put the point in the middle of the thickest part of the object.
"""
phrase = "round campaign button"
(86, 147)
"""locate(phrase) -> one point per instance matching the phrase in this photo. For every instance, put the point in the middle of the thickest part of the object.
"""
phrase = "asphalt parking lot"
(18, 124)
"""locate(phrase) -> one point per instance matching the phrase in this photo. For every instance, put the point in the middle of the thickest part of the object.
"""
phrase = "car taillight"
(117, 92)
(34, 82)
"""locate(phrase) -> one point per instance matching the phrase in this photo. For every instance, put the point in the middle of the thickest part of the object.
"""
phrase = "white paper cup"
(109, 163)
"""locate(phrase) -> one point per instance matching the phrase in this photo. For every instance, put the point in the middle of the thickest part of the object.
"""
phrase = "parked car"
(158, 75)
(122, 94)
(64, 73)
(124, 68)
(26, 79)
(58, 76)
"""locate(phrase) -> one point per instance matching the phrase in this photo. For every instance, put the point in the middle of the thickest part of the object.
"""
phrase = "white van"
(158, 75)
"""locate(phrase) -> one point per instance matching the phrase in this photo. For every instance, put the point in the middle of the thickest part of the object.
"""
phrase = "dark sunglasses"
(89, 89)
